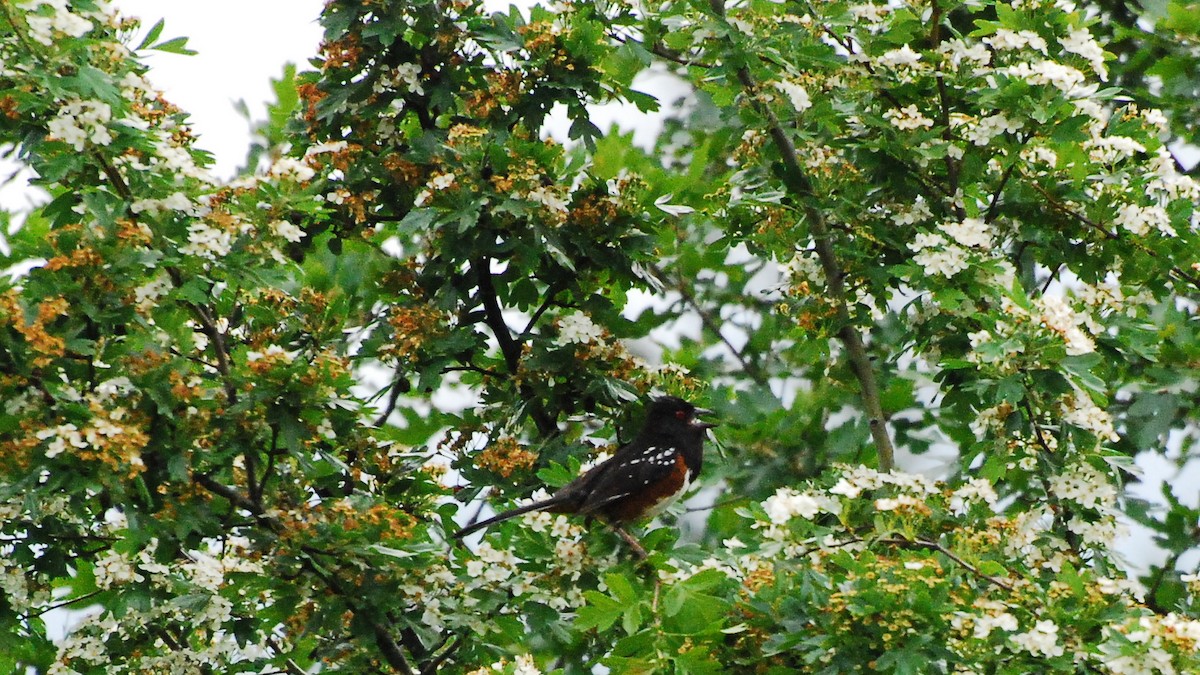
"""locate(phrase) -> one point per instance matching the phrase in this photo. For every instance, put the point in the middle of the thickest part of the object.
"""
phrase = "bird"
(640, 480)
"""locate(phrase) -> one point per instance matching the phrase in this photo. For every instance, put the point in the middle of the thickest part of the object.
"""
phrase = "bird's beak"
(698, 423)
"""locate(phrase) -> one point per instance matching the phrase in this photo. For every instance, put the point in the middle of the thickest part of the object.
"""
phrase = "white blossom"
(404, 78)
(960, 52)
(79, 122)
(328, 146)
(946, 262)
(291, 168)
(1081, 42)
(898, 502)
(1042, 640)
(982, 132)
(436, 184)
(1139, 219)
(1004, 39)
(548, 197)
(797, 95)
(1084, 485)
(1058, 316)
(787, 503)
(970, 232)
(205, 241)
(147, 295)
(1109, 149)
(61, 19)
(904, 61)
(578, 328)
(975, 490)
(525, 665)
(114, 568)
(985, 624)
(1060, 76)
(287, 230)
(908, 117)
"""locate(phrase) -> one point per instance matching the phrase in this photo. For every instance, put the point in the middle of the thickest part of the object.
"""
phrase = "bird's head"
(668, 413)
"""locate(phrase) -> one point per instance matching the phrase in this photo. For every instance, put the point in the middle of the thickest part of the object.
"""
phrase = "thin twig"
(1062, 208)
(706, 318)
(934, 546)
(66, 603)
(717, 504)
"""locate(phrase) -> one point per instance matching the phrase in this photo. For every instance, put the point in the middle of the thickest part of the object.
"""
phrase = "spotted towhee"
(640, 480)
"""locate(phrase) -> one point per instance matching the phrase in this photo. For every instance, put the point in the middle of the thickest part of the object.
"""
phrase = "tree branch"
(510, 348)
(393, 399)
(432, 666)
(934, 546)
(799, 183)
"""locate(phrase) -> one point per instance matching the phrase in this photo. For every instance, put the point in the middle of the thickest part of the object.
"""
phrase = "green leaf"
(174, 46)
(620, 588)
(151, 36)
(600, 612)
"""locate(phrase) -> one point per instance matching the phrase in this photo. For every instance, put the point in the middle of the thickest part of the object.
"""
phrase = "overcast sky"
(242, 45)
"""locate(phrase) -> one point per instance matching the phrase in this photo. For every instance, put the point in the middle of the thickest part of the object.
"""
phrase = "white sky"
(242, 45)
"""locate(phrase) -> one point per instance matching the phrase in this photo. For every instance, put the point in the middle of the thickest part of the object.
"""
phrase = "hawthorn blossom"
(578, 328)
(983, 131)
(970, 232)
(960, 52)
(908, 117)
(1085, 485)
(946, 262)
(1109, 149)
(436, 184)
(975, 490)
(287, 230)
(79, 122)
(1042, 640)
(1058, 316)
(62, 20)
(205, 241)
(797, 95)
(1060, 76)
(905, 62)
(114, 568)
(986, 623)
(147, 295)
(1139, 219)
(1081, 42)
(1005, 39)
(787, 503)
(290, 168)
(547, 197)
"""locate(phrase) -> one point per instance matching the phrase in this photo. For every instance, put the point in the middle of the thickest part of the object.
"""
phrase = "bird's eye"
(681, 414)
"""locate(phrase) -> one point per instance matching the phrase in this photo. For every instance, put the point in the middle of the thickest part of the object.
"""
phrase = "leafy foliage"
(868, 232)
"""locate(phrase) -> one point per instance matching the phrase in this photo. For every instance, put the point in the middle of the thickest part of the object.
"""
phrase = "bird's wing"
(629, 473)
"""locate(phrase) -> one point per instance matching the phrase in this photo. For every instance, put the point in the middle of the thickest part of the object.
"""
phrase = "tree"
(868, 230)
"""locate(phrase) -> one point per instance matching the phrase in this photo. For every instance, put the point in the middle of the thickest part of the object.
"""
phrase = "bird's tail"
(536, 506)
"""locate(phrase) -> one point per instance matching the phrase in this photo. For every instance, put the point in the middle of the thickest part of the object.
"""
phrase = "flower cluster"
(80, 122)
(56, 17)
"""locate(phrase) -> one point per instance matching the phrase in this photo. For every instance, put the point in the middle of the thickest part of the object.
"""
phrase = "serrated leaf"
(620, 588)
